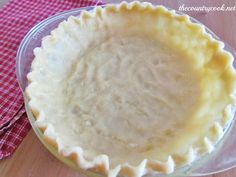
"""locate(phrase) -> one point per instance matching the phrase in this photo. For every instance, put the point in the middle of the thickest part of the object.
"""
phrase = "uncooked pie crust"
(131, 89)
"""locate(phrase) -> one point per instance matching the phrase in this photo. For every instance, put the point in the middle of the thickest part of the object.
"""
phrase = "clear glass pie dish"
(222, 158)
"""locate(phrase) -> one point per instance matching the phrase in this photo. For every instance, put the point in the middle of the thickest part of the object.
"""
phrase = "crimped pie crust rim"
(101, 163)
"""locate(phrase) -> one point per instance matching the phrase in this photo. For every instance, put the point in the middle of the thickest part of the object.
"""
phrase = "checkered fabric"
(17, 17)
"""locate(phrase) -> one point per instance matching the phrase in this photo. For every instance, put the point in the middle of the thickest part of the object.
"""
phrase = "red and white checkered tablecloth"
(17, 17)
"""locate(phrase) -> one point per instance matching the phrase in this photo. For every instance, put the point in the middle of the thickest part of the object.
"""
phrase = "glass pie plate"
(221, 159)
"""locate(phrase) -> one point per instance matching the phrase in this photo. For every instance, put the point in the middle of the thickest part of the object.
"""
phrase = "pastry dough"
(131, 89)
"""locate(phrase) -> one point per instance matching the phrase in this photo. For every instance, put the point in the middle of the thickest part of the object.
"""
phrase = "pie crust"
(131, 89)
